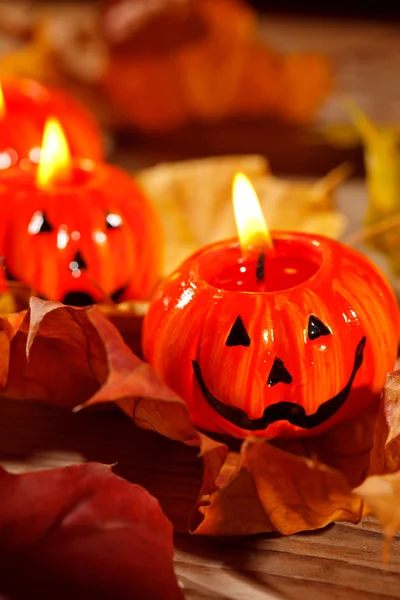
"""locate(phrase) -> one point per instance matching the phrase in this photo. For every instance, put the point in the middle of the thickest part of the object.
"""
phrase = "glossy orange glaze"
(28, 105)
(128, 256)
(193, 311)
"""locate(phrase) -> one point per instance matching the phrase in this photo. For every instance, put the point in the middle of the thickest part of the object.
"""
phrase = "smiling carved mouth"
(282, 411)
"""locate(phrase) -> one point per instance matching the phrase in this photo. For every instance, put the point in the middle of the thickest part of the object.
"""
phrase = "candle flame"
(2, 103)
(55, 158)
(252, 228)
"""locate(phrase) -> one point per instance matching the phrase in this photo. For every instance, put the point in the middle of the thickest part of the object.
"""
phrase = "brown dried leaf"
(133, 383)
(56, 355)
(346, 447)
(300, 485)
(272, 490)
(385, 456)
(82, 532)
(9, 325)
(381, 490)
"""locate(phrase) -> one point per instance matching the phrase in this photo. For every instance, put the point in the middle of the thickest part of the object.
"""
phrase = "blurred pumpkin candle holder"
(282, 335)
(78, 231)
(25, 106)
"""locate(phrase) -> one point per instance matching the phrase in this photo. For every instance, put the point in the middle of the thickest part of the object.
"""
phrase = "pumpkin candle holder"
(25, 106)
(77, 231)
(281, 343)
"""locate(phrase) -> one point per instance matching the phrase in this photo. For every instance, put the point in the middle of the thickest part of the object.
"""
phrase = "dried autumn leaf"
(80, 532)
(272, 490)
(287, 486)
(126, 316)
(385, 455)
(56, 355)
(382, 164)
(9, 325)
(133, 384)
(381, 489)
(382, 494)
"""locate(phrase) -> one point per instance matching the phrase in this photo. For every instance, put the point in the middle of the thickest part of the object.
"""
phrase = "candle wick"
(260, 270)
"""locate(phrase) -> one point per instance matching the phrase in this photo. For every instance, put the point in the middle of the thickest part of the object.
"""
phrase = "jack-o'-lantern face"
(79, 245)
(281, 410)
(291, 361)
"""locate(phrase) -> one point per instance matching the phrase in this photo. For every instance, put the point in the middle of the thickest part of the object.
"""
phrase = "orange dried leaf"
(134, 385)
(83, 532)
(267, 489)
(56, 356)
(9, 325)
(385, 456)
(346, 447)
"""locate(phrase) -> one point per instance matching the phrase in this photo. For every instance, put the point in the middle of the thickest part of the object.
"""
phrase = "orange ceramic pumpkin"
(92, 237)
(288, 357)
(27, 106)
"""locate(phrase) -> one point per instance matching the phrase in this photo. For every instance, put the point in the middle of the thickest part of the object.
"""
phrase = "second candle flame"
(55, 157)
(252, 228)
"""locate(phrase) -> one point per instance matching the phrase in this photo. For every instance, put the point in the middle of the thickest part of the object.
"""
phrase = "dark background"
(371, 10)
(388, 10)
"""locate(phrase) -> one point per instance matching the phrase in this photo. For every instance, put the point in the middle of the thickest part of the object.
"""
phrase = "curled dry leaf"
(287, 485)
(9, 325)
(267, 489)
(134, 385)
(56, 356)
(382, 165)
(80, 532)
(385, 457)
(381, 490)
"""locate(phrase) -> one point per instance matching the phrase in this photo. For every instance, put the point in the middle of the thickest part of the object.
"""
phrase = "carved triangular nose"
(78, 262)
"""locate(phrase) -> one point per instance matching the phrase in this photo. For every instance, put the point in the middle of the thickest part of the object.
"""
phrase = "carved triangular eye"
(279, 373)
(39, 224)
(316, 328)
(238, 335)
(45, 227)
